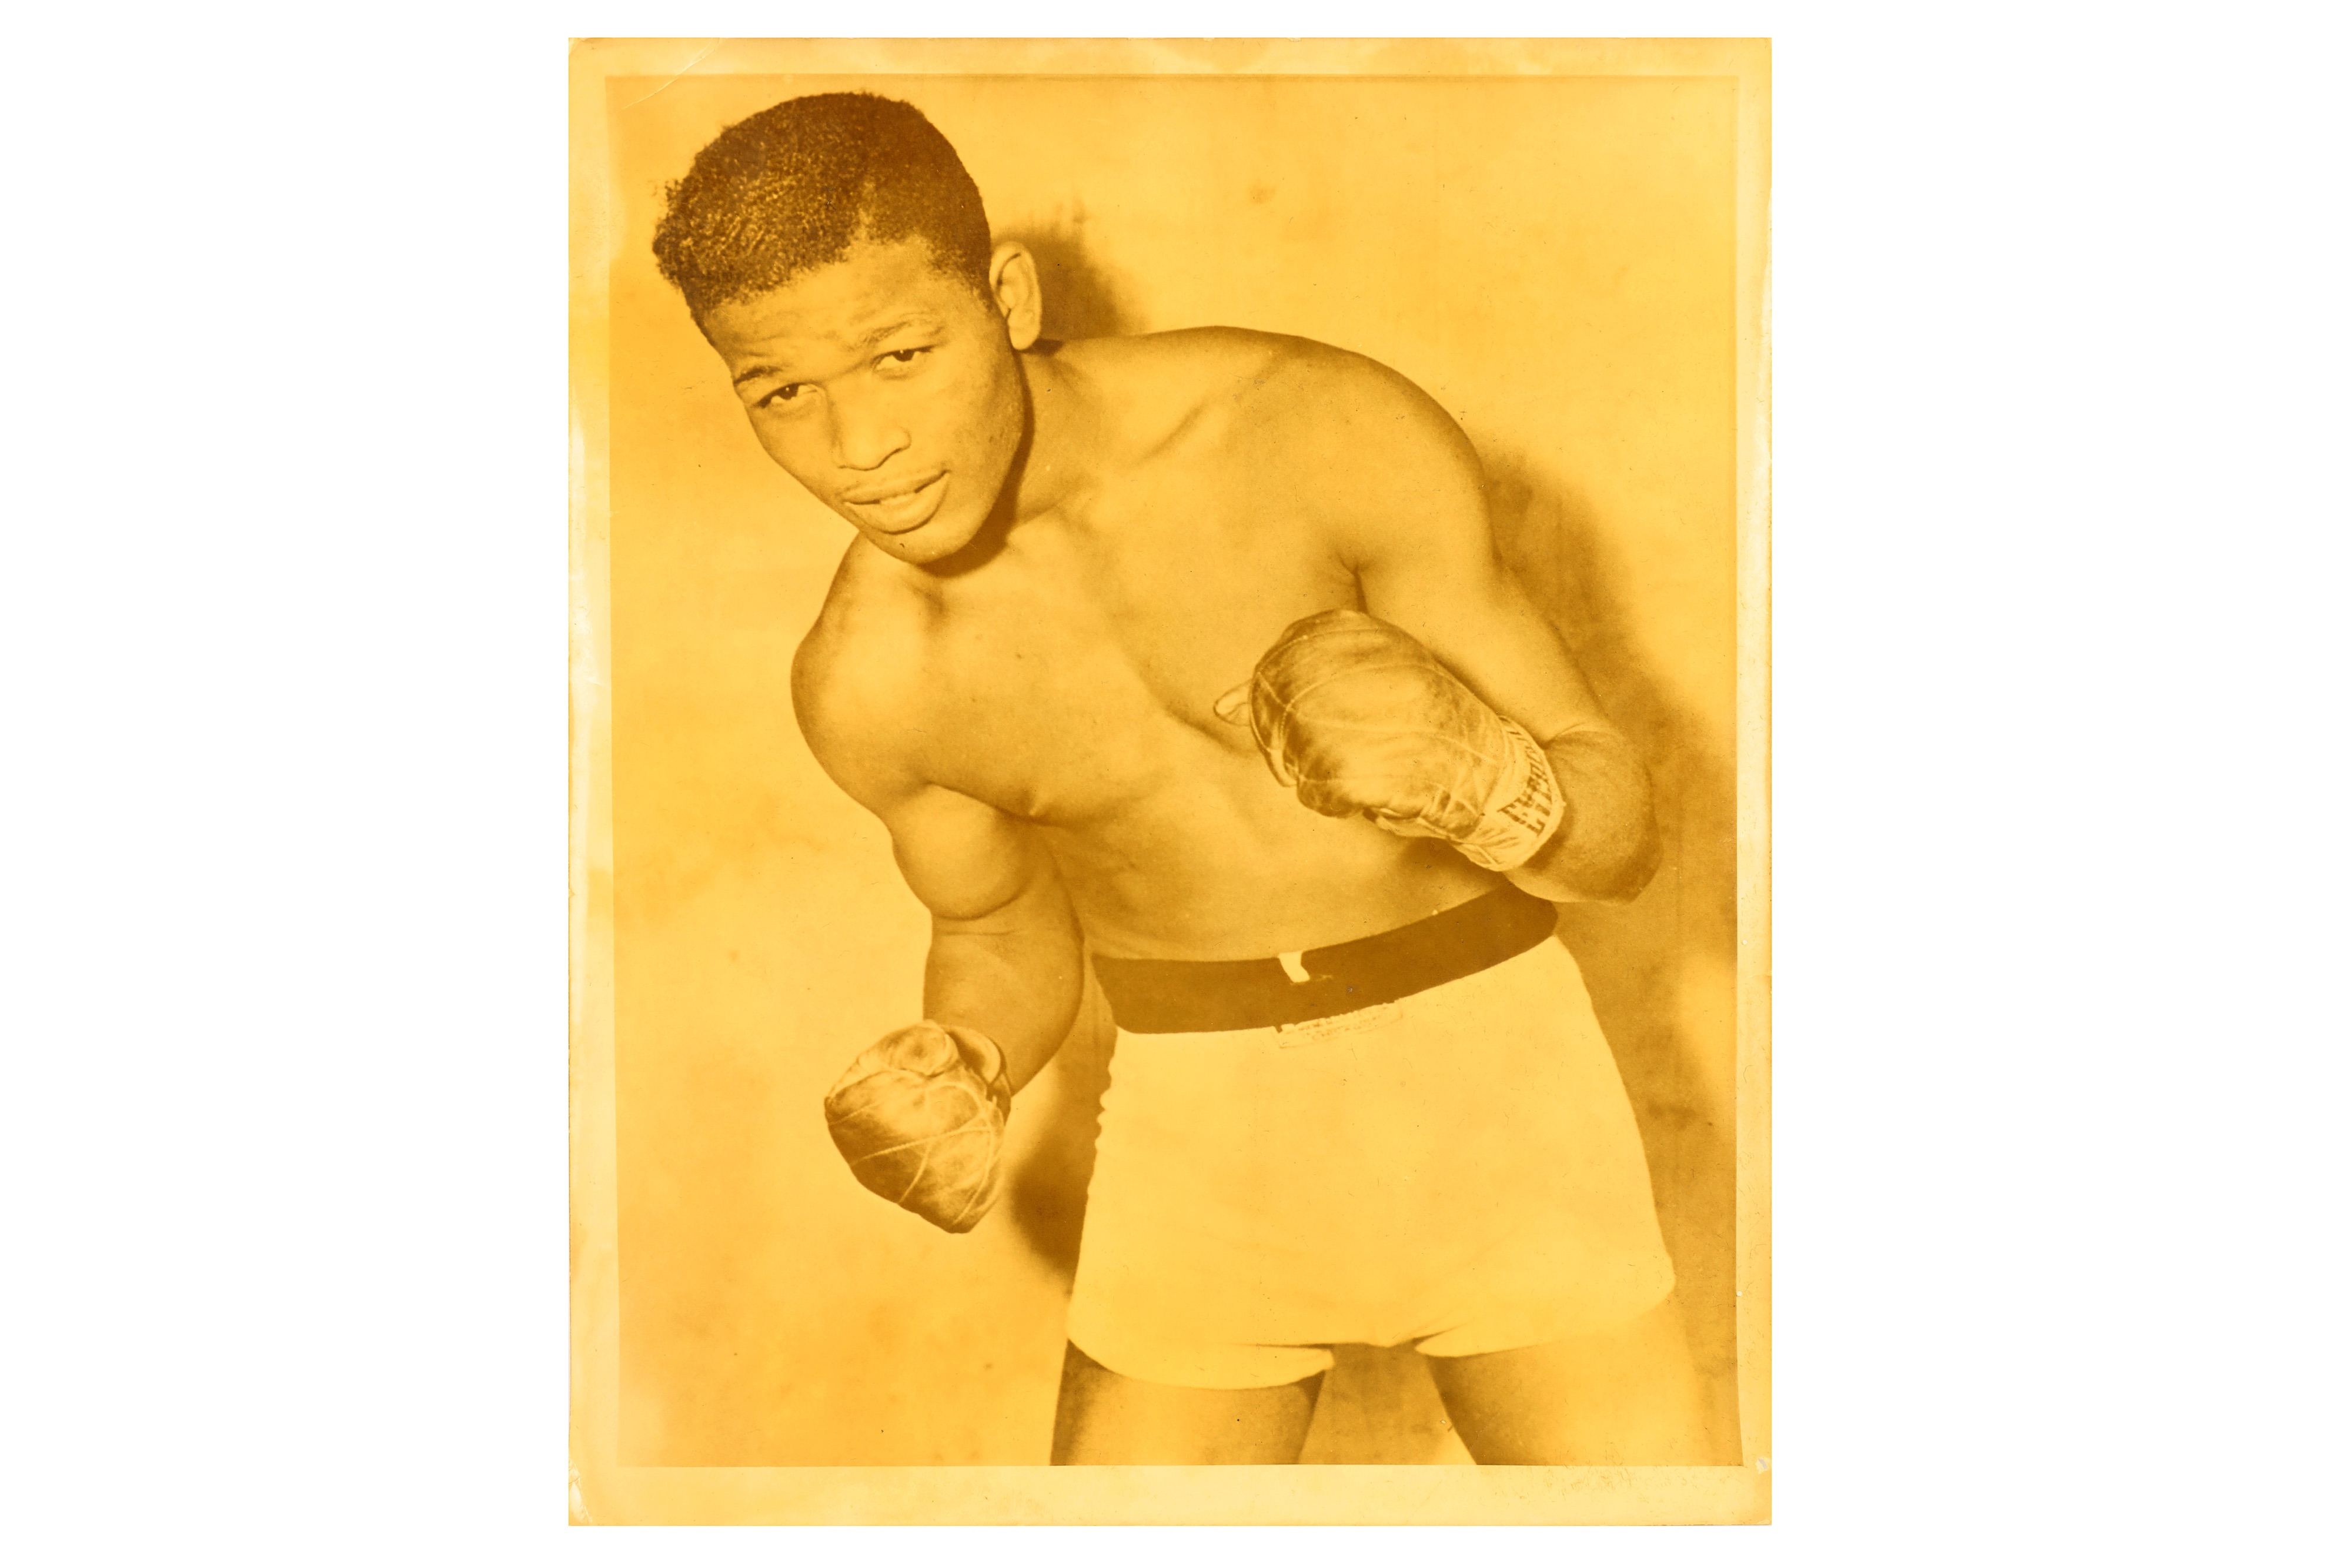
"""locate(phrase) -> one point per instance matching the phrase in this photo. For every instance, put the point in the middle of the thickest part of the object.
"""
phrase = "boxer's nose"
(866, 439)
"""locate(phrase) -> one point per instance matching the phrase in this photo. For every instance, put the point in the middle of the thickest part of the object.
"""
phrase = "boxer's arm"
(1405, 504)
(1006, 958)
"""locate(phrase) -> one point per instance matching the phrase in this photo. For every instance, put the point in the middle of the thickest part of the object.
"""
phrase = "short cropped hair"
(795, 186)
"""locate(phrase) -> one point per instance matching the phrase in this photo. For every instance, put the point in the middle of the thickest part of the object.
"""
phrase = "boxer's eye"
(783, 396)
(899, 359)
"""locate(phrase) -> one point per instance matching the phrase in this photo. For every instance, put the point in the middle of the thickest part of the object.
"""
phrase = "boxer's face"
(889, 389)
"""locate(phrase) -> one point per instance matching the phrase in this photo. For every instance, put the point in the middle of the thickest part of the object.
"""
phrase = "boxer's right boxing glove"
(920, 1116)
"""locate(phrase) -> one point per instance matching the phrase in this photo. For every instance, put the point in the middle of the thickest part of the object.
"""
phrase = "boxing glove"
(920, 1116)
(1361, 720)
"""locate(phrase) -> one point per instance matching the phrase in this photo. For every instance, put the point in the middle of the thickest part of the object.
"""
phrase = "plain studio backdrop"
(1552, 260)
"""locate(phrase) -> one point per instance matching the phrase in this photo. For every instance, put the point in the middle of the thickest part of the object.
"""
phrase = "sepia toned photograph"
(1169, 719)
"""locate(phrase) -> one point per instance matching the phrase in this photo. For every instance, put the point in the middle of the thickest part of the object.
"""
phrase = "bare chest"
(1075, 676)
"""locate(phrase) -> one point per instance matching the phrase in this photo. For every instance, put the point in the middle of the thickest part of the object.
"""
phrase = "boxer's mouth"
(899, 508)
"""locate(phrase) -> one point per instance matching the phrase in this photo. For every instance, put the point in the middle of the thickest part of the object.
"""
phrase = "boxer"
(1190, 655)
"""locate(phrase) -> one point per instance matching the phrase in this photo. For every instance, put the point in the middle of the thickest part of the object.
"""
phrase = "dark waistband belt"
(1160, 995)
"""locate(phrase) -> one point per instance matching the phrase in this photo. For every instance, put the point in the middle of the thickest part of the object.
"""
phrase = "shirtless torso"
(1068, 683)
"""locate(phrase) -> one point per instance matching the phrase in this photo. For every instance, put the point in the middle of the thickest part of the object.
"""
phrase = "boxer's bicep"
(962, 858)
(969, 863)
(1006, 952)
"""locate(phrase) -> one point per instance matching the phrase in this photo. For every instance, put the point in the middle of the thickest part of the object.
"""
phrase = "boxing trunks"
(1419, 1136)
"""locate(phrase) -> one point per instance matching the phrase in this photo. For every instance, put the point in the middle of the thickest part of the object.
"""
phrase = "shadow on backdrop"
(1660, 969)
(1082, 299)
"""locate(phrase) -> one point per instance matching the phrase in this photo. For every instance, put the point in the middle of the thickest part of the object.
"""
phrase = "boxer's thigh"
(1104, 1419)
(1628, 1396)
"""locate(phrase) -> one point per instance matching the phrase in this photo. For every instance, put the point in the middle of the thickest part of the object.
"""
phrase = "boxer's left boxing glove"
(1361, 720)
(920, 1116)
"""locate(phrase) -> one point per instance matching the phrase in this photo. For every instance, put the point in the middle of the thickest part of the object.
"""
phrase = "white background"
(2058, 345)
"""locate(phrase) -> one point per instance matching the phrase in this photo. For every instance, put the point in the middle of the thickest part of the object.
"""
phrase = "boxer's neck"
(1065, 441)
(1060, 457)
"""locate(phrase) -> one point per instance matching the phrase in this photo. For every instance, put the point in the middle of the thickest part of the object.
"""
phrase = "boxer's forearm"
(1608, 848)
(1017, 977)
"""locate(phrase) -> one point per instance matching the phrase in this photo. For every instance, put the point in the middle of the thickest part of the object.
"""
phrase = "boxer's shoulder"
(1179, 366)
(1322, 404)
(1156, 390)
(1161, 381)
(1338, 435)
(1311, 400)
(1368, 457)
(858, 675)
(1221, 390)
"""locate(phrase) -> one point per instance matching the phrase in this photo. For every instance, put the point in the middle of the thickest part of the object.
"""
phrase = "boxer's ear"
(1012, 278)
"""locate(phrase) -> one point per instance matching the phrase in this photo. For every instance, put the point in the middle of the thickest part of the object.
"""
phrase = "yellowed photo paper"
(1170, 903)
